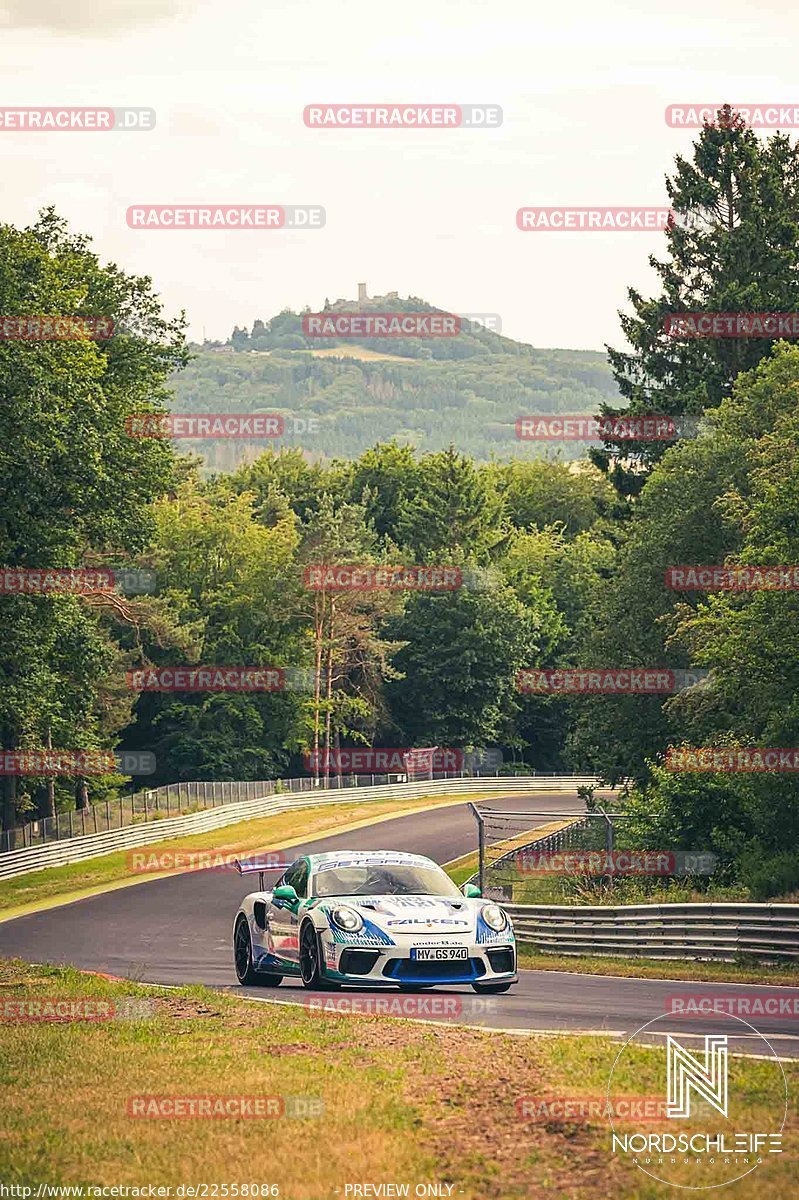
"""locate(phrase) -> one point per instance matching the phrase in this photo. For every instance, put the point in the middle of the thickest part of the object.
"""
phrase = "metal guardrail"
(178, 799)
(667, 931)
(171, 800)
(35, 858)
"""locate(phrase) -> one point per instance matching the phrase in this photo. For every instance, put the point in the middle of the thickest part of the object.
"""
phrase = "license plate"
(438, 953)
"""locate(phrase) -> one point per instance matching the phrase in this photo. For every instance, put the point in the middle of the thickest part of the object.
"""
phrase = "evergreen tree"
(733, 246)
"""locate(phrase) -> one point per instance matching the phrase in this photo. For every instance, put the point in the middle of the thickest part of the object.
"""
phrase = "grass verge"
(531, 959)
(40, 889)
(396, 1102)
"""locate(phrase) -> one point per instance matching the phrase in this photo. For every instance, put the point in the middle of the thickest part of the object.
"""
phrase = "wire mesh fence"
(179, 799)
(556, 857)
(505, 840)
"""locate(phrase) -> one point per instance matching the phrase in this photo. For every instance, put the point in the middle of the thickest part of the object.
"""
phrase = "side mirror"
(287, 895)
(471, 892)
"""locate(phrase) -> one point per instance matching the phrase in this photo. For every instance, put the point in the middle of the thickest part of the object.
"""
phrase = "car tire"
(242, 959)
(491, 988)
(265, 979)
(311, 971)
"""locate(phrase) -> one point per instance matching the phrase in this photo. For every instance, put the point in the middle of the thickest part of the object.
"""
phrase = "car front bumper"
(374, 966)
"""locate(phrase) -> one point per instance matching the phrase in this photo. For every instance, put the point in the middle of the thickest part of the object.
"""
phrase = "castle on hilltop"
(363, 301)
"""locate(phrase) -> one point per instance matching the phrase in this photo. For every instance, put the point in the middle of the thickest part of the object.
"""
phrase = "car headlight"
(347, 919)
(494, 917)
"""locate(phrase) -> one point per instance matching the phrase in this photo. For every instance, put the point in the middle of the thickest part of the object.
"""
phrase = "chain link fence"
(178, 799)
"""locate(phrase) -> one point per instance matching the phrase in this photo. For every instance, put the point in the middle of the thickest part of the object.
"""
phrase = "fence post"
(481, 846)
(609, 830)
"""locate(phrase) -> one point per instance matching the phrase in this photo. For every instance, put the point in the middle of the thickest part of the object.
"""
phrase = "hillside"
(468, 389)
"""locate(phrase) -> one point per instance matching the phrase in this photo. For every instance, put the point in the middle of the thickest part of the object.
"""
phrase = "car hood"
(413, 914)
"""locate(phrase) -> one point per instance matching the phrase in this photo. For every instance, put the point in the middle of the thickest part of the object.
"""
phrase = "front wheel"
(311, 961)
(492, 988)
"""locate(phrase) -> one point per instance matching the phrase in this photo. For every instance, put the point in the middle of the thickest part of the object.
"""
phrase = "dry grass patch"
(403, 1102)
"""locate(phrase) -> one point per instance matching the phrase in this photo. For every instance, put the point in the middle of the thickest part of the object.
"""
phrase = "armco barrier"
(696, 931)
(34, 858)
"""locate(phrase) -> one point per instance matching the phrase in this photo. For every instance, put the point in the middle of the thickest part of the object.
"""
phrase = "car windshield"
(396, 879)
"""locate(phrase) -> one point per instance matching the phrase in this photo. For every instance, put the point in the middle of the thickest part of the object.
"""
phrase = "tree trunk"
(81, 794)
(48, 798)
(319, 626)
(9, 801)
(329, 690)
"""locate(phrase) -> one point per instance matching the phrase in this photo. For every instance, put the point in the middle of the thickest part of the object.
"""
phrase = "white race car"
(373, 918)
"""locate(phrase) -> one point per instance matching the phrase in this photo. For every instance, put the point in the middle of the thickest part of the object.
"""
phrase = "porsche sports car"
(373, 918)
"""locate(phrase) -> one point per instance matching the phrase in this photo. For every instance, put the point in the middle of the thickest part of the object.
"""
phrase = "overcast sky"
(432, 213)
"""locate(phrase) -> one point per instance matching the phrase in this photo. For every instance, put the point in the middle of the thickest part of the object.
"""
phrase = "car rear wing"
(261, 864)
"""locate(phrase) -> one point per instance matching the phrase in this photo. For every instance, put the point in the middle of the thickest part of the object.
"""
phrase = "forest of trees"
(565, 563)
(423, 401)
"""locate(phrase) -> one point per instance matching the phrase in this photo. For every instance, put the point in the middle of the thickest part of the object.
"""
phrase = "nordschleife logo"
(708, 1079)
(722, 1096)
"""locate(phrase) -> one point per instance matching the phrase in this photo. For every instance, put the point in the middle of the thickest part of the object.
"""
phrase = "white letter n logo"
(708, 1079)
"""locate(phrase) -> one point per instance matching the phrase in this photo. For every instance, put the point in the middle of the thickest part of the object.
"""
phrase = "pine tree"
(733, 246)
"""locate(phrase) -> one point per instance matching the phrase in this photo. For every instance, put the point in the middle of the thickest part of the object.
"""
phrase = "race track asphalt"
(177, 930)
